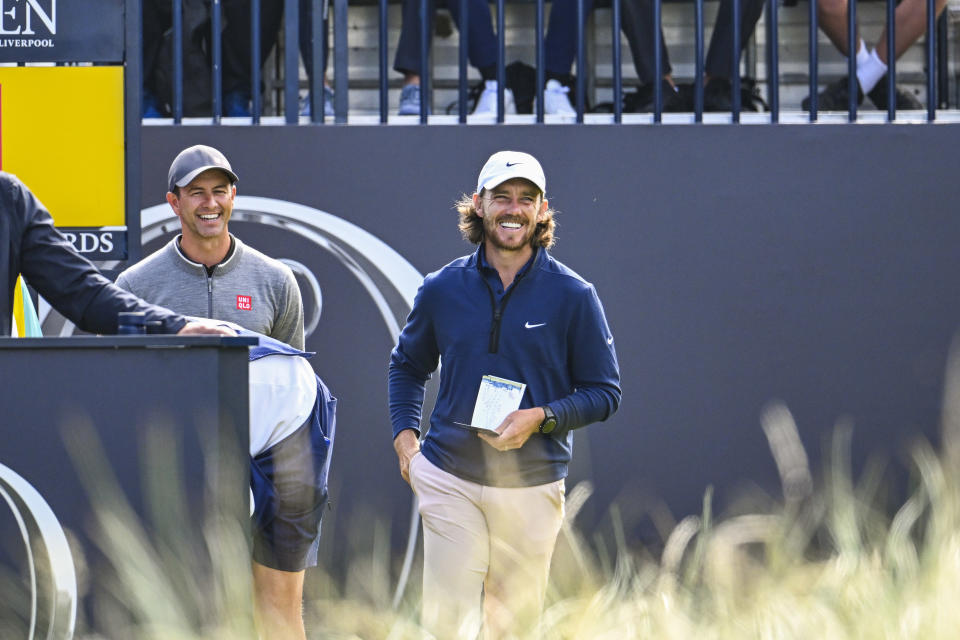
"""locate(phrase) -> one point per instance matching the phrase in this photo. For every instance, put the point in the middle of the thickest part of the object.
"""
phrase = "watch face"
(548, 425)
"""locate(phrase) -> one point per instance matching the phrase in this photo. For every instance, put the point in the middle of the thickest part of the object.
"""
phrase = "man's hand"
(515, 429)
(206, 327)
(406, 444)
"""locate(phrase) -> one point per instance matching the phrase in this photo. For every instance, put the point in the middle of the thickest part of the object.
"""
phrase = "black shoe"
(718, 92)
(641, 101)
(834, 97)
(902, 99)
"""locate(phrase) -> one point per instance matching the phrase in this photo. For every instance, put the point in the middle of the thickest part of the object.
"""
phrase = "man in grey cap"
(527, 357)
(208, 272)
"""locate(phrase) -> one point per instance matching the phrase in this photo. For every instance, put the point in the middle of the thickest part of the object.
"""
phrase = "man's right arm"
(411, 364)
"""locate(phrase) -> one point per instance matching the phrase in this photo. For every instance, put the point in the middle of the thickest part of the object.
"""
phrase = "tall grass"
(828, 559)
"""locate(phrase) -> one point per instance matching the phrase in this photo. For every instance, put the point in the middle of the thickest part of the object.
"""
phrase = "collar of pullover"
(224, 266)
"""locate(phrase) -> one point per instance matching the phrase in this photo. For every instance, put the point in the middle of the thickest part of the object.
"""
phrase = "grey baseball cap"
(506, 165)
(193, 161)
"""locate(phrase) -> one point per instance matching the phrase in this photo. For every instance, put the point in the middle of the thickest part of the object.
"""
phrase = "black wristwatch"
(549, 420)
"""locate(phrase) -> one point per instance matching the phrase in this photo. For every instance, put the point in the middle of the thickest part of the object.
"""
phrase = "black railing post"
(853, 45)
(216, 20)
(773, 60)
(291, 61)
(943, 73)
(255, 101)
(735, 71)
(133, 77)
(812, 38)
(581, 64)
(931, 61)
(426, 98)
(541, 57)
(464, 28)
(318, 50)
(891, 60)
(657, 61)
(698, 62)
(501, 57)
(384, 64)
(177, 10)
(341, 91)
(617, 71)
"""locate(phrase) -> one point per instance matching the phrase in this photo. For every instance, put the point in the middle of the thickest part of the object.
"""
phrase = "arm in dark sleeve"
(594, 368)
(70, 282)
(411, 362)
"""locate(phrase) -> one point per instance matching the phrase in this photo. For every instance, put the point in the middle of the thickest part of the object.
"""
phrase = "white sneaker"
(487, 102)
(555, 100)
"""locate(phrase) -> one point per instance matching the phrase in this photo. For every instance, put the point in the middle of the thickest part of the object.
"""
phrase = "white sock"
(870, 71)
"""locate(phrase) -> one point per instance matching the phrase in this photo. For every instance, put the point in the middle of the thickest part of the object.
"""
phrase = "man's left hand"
(515, 429)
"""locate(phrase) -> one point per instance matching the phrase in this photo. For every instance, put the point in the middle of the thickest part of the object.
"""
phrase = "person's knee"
(831, 8)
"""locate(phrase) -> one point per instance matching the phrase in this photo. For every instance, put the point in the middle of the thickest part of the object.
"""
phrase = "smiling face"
(510, 213)
(204, 206)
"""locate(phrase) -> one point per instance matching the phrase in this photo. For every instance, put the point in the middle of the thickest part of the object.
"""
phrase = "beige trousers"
(486, 553)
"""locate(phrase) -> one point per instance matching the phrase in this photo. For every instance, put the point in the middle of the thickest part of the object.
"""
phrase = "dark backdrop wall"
(818, 265)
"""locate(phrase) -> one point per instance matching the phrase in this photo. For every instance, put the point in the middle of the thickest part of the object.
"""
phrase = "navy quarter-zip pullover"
(547, 330)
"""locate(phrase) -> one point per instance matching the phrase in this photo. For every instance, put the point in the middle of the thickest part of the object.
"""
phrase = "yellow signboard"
(61, 132)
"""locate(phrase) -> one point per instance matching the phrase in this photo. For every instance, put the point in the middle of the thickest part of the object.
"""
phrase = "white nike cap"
(506, 165)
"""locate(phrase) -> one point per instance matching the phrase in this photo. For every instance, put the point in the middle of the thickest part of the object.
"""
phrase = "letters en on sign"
(61, 31)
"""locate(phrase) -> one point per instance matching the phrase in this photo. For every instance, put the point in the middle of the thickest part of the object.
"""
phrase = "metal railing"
(319, 14)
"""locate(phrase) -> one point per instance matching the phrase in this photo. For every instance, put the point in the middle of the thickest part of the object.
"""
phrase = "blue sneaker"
(236, 104)
(410, 100)
(328, 111)
(151, 106)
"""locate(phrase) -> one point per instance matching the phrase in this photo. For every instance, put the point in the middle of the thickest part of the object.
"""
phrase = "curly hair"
(471, 224)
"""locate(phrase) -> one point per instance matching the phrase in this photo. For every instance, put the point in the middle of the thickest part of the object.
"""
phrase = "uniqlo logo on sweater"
(245, 303)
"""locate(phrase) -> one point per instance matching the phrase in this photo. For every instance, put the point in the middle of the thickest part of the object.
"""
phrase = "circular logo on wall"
(50, 575)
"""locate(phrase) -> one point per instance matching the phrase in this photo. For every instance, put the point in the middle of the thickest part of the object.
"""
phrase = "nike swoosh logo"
(533, 326)
(513, 164)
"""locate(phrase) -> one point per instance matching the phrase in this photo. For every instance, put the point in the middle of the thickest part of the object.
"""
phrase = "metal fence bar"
(617, 71)
(541, 57)
(341, 90)
(735, 70)
(462, 63)
(291, 62)
(943, 71)
(216, 19)
(317, 51)
(891, 60)
(133, 79)
(931, 61)
(384, 65)
(501, 57)
(255, 98)
(853, 44)
(657, 62)
(812, 64)
(426, 98)
(177, 10)
(698, 62)
(581, 63)
(773, 60)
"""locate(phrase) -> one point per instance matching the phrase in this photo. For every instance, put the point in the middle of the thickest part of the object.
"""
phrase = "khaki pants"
(486, 549)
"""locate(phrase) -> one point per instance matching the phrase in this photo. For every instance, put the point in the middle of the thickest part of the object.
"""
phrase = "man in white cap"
(527, 357)
(208, 272)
